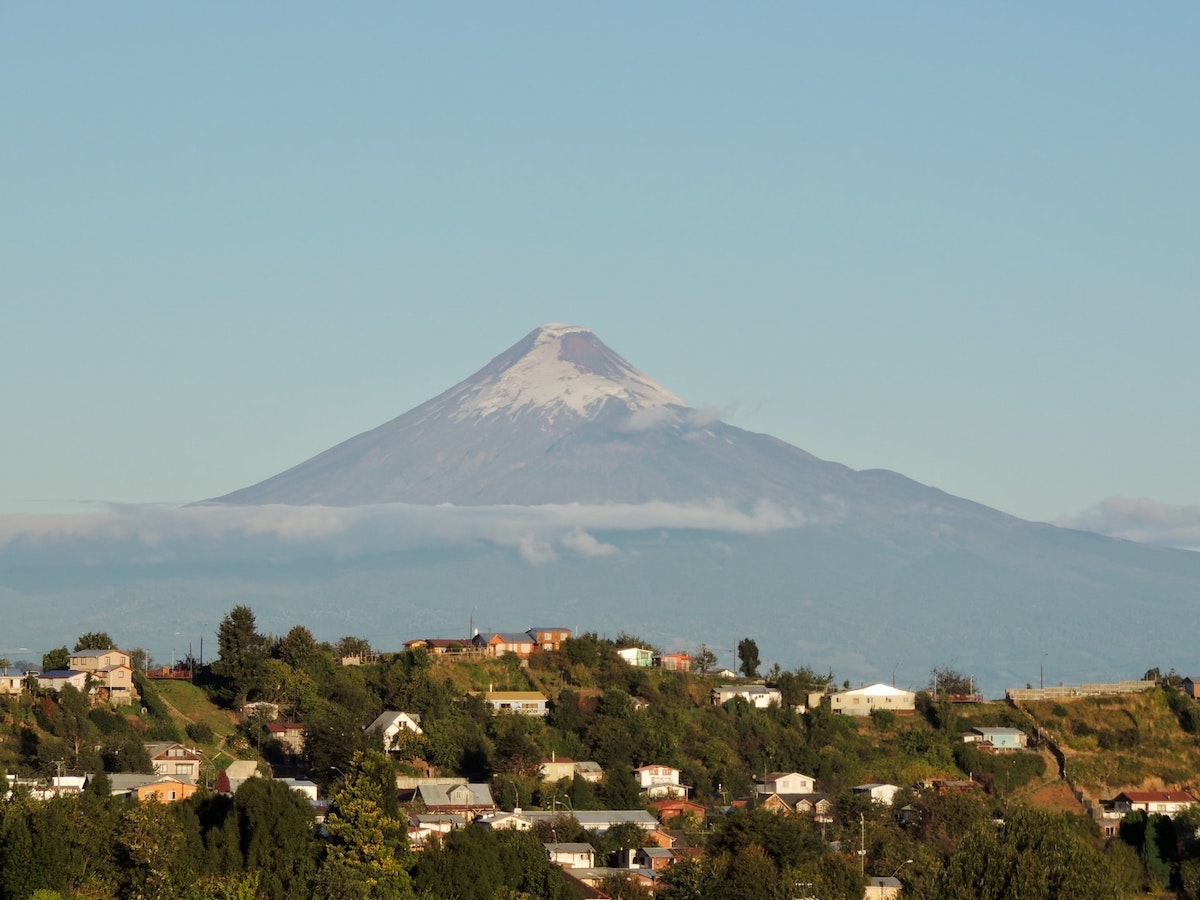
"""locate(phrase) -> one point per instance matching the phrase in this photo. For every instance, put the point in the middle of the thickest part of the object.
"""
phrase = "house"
(593, 877)
(1165, 803)
(785, 783)
(507, 821)
(302, 786)
(882, 887)
(235, 775)
(526, 703)
(598, 820)
(96, 660)
(571, 855)
(422, 825)
(549, 638)
(724, 674)
(637, 656)
(113, 671)
(390, 724)
(289, 734)
(163, 788)
(59, 786)
(556, 768)
(997, 738)
(503, 643)
(757, 695)
(660, 781)
(12, 684)
(654, 858)
(438, 646)
(879, 793)
(590, 771)
(674, 662)
(469, 800)
(171, 758)
(862, 701)
(818, 806)
(673, 808)
(56, 679)
(1190, 684)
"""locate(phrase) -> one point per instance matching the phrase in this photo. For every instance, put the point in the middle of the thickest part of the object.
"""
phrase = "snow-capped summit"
(556, 369)
(556, 418)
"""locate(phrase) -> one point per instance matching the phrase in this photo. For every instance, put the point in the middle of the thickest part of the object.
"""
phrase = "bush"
(201, 733)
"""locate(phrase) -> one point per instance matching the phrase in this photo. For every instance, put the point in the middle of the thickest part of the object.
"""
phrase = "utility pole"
(862, 845)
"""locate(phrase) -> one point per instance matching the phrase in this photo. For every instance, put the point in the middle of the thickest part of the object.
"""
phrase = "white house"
(660, 781)
(861, 701)
(525, 703)
(56, 679)
(757, 695)
(571, 855)
(637, 656)
(879, 793)
(391, 723)
(997, 738)
(1163, 802)
(301, 786)
(785, 783)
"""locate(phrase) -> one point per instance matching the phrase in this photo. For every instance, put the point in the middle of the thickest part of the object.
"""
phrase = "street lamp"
(901, 866)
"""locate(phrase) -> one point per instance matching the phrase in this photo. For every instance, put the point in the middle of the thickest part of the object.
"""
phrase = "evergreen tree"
(366, 846)
(275, 825)
(241, 653)
(748, 661)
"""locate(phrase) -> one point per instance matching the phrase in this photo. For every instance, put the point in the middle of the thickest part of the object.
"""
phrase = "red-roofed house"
(1162, 802)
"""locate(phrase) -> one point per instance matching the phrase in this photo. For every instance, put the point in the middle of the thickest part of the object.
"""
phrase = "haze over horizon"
(955, 244)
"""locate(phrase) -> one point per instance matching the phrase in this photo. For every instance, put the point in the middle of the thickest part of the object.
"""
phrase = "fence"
(1027, 695)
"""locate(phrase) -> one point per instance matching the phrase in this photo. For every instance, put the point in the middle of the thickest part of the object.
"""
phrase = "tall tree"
(94, 640)
(748, 657)
(56, 659)
(241, 653)
(367, 848)
(276, 827)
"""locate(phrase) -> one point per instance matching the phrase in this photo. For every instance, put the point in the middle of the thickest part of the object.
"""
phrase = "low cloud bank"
(1141, 519)
(147, 534)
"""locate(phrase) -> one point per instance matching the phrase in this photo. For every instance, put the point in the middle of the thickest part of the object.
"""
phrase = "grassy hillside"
(1125, 742)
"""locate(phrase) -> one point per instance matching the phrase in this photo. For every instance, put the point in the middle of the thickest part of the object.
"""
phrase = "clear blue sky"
(957, 241)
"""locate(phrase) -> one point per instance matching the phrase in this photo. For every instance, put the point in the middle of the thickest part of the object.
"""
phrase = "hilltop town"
(545, 763)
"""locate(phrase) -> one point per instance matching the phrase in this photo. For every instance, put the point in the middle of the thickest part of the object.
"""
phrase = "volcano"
(559, 417)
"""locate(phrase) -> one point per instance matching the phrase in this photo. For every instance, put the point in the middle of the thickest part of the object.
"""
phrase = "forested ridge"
(992, 838)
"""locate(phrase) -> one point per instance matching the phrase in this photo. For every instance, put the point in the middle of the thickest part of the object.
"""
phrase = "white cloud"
(586, 545)
(1141, 519)
(539, 533)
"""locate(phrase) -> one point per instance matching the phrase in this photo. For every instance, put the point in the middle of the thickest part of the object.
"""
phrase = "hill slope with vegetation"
(985, 832)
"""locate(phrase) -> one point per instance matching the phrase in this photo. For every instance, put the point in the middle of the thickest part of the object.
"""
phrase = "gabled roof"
(158, 748)
(1157, 796)
(442, 795)
(390, 717)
